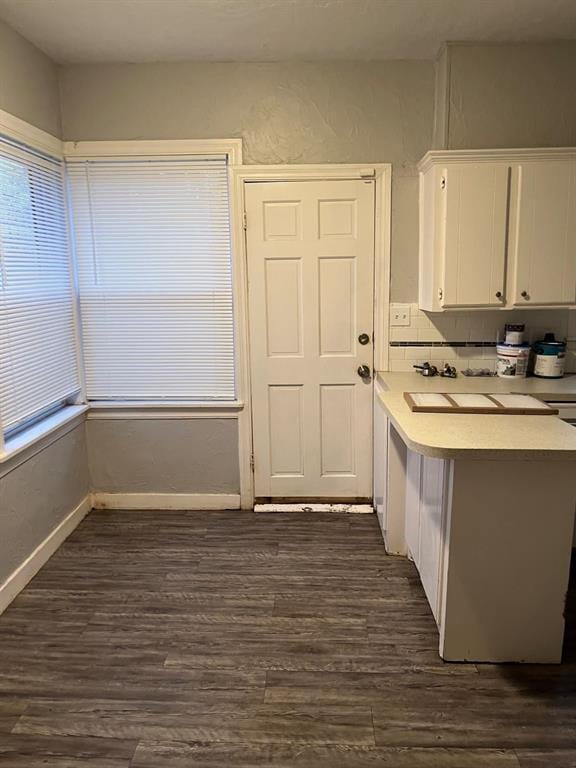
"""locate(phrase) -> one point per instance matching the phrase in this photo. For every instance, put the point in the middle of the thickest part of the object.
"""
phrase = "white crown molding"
(436, 157)
(24, 132)
(232, 148)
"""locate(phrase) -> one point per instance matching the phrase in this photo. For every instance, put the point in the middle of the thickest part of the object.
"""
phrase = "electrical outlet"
(399, 314)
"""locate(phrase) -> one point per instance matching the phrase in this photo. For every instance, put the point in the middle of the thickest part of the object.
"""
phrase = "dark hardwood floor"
(208, 640)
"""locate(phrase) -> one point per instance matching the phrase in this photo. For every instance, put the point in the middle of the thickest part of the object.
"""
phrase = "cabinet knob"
(498, 294)
(524, 295)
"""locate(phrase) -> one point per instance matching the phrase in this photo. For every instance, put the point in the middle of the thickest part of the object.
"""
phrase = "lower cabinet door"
(413, 494)
(432, 505)
(380, 463)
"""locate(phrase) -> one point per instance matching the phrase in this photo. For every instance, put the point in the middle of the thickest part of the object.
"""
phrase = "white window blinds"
(38, 364)
(152, 239)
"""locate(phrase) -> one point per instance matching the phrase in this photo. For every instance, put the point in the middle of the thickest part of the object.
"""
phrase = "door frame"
(241, 175)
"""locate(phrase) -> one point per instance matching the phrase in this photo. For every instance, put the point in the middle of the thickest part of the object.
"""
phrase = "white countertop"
(483, 436)
(544, 389)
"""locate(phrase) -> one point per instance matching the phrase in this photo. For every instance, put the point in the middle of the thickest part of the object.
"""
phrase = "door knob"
(363, 371)
(364, 338)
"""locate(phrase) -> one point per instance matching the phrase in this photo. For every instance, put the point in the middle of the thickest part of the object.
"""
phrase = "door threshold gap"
(350, 509)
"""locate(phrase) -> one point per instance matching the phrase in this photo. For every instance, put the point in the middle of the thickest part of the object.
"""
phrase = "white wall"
(509, 95)
(163, 455)
(37, 491)
(299, 113)
(41, 486)
(285, 113)
(28, 82)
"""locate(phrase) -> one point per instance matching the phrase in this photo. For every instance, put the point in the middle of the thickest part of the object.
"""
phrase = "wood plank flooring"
(240, 640)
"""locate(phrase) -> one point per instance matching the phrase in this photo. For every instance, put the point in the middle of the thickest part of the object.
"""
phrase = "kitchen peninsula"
(484, 505)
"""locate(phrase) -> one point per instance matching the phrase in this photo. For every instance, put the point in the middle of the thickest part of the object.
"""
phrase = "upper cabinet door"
(543, 233)
(475, 210)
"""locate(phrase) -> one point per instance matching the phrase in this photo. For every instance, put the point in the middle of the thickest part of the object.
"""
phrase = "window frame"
(25, 133)
(36, 139)
(232, 150)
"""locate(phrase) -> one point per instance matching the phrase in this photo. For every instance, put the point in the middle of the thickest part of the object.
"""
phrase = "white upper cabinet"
(543, 233)
(497, 229)
(475, 197)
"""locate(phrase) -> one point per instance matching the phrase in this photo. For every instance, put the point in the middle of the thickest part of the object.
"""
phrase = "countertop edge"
(487, 454)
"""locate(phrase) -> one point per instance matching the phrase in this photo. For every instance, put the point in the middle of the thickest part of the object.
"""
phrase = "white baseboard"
(166, 501)
(18, 579)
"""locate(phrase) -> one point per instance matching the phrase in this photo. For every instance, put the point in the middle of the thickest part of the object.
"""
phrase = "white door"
(543, 233)
(310, 251)
(475, 215)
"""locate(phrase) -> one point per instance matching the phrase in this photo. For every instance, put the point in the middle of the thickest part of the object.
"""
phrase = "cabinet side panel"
(427, 284)
(507, 566)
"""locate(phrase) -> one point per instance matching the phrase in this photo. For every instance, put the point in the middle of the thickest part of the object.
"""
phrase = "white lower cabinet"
(413, 484)
(380, 463)
(492, 553)
(426, 507)
(389, 480)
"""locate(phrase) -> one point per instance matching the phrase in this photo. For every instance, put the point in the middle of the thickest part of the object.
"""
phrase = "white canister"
(512, 360)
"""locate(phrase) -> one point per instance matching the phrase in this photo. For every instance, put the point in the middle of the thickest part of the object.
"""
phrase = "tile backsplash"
(468, 339)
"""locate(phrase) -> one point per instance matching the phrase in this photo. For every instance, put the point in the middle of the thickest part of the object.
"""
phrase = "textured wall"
(515, 95)
(28, 82)
(163, 455)
(285, 113)
(36, 495)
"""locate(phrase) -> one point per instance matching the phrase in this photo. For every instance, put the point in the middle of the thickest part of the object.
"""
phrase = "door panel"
(286, 440)
(337, 289)
(284, 306)
(310, 252)
(338, 435)
(544, 232)
(475, 218)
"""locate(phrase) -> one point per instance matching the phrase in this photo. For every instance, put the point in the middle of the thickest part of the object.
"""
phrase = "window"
(38, 361)
(152, 240)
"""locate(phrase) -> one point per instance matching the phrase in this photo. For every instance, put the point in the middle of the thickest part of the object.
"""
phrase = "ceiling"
(274, 30)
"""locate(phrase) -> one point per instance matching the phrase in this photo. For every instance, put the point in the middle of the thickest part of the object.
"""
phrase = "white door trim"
(239, 177)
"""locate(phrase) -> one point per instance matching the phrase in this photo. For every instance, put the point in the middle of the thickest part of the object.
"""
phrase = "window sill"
(42, 429)
(161, 409)
(200, 405)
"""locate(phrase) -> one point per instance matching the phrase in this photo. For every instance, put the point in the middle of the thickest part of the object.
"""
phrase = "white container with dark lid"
(550, 357)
